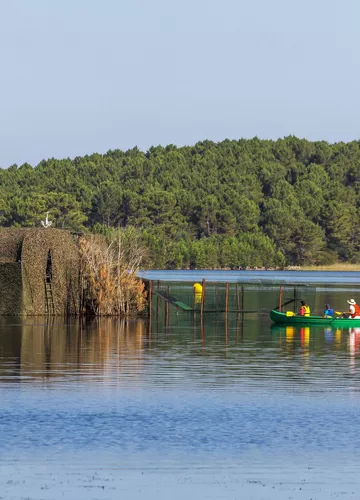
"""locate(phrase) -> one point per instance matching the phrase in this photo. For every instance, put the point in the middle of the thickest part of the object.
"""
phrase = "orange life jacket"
(357, 311)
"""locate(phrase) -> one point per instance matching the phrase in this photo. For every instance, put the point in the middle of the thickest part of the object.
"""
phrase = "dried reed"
(108, 270)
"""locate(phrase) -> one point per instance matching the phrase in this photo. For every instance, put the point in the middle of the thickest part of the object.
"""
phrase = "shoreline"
(331, 267)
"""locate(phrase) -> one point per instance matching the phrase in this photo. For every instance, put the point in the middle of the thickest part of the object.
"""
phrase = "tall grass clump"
(108, 269)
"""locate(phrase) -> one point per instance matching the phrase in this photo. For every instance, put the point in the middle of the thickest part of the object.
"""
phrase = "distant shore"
(339, 266)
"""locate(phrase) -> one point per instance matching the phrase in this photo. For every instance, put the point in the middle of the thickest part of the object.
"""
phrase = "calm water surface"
(269, 277)
(219, 409)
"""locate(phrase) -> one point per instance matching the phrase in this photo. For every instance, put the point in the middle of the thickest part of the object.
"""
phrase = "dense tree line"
(228, 204)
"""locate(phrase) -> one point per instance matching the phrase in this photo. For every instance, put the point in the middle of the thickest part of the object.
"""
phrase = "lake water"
(257, 277)
(213, 409)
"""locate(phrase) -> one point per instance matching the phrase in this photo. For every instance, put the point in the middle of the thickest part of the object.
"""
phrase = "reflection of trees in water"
(56, 348)
(37, 348)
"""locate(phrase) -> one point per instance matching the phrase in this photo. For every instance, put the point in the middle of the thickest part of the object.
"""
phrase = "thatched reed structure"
(39, 272)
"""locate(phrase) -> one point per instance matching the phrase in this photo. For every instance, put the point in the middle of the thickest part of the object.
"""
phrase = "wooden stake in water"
(203, 296)
(227, 298)
(280, 298)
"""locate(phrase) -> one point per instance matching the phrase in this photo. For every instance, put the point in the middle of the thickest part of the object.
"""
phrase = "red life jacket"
(357, 311)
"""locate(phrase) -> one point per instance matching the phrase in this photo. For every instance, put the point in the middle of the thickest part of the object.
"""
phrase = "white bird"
(46, 222)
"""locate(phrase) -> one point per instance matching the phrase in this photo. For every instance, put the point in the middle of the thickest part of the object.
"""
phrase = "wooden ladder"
(49, 299)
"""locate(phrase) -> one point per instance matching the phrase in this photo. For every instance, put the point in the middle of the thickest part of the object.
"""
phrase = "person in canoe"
(328, 311)
(304, 309)
(354, 310)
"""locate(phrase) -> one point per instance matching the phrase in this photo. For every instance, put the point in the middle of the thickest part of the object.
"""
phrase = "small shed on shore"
(39, 272)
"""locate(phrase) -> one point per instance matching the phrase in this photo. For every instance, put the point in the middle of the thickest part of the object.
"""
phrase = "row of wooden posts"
(199, 303)
(239, 299)
(292, 300)
(199, 300)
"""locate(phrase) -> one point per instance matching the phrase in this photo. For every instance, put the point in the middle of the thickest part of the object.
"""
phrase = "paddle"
(344, 314)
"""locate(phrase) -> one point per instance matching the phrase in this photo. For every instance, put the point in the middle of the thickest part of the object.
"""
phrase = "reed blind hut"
(39, 272)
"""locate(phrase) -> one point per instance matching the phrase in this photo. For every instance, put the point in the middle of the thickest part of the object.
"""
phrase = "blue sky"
(84, 76)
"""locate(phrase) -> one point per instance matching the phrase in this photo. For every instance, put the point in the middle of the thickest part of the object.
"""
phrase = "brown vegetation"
(94, 275)
(338, 266)
(108, 269)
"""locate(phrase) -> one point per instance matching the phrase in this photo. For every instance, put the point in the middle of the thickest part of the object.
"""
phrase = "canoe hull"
(281, 318)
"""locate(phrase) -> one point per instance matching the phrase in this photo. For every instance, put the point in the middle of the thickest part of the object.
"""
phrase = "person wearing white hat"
(354, 309)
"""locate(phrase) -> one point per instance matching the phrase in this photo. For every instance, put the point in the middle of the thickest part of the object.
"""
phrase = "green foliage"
(230, 204)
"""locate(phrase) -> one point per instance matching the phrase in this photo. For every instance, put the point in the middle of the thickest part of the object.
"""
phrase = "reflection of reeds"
(87, 346)
(116, 339)
(108, 271)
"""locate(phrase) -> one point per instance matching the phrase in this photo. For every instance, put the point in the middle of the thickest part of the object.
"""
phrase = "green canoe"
(279, 317)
